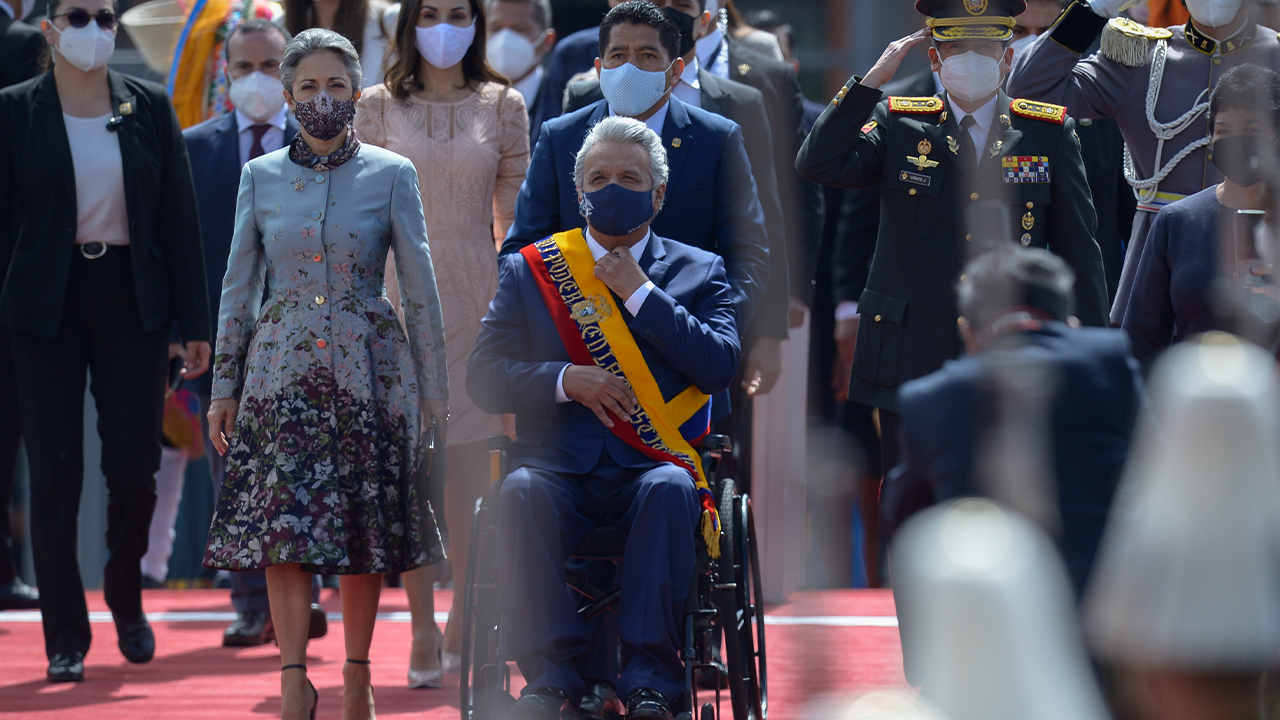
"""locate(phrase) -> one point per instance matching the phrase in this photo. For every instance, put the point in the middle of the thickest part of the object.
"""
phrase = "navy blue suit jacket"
(685, 330)
(572, 55)
(1097, 396)
(214, 149)
(711, 200)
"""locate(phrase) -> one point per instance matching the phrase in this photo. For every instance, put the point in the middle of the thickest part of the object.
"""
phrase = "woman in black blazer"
(100, 259)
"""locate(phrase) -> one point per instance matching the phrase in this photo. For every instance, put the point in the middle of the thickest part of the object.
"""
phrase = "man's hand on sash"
(620, 271)
(600, 389)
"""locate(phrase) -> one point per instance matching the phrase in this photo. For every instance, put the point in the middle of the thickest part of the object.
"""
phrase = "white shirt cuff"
(560, 396)
(637, 298)
(846, 310)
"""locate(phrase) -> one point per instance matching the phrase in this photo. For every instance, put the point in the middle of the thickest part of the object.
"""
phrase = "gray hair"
(624, 130)
(541, 9)
(1010, 276)
(313, 41)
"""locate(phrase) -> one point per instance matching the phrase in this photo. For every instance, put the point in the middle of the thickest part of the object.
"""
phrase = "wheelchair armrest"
(717, 443)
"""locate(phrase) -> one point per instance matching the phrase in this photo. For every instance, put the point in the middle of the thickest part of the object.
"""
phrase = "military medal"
(298, 184)
(922, 162)
(1025, 169)
(1004, 120)
(1028, 221)
(995, 147)
(925, 147)
(953, 146)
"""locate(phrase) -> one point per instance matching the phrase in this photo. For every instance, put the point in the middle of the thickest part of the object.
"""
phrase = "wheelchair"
(724, 597)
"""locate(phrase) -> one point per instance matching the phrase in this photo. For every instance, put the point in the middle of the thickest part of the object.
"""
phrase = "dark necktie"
(255, 150)
(968, 151)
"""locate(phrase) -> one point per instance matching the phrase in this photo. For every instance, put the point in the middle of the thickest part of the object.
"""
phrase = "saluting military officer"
(937, 159)
(1164, 123)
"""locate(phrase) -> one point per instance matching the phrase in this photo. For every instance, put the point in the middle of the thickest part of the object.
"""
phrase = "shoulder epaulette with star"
(1126, 41)
(1038, 110)
(915, 105)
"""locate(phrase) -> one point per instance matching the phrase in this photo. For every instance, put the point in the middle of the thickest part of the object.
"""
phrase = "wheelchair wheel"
(752, 593)
(485, 678)
(742, 623)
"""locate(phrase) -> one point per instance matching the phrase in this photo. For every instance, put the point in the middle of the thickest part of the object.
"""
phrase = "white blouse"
(101, 213)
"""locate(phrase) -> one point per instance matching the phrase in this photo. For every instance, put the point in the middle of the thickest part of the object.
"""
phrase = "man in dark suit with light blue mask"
(218, 149)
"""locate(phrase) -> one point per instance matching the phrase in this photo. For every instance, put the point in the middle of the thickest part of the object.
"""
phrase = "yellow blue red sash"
(595, 332)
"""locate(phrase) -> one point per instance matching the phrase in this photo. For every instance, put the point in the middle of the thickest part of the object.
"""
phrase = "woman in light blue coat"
(320, 400)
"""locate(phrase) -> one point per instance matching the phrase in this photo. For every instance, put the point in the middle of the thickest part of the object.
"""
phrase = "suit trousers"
(101, 331)
(543, 516)
(10, 438)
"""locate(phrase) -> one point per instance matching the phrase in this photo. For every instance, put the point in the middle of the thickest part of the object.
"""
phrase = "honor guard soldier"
(938, 160)
(1164, 123)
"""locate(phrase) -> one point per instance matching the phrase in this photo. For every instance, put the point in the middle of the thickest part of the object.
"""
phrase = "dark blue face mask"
(616, 211)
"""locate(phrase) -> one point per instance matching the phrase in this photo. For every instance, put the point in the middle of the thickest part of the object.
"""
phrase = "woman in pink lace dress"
(467, 132)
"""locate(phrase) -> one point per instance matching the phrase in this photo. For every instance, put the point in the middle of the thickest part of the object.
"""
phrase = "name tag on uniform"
(915, 178)
(1025, 169)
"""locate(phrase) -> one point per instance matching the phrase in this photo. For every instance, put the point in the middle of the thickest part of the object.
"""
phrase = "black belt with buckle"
(96, 250)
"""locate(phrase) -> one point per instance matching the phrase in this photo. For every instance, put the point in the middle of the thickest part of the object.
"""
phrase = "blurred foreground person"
(594, 447)
(993, 623)
(1173, 296)
(103, 258)
(1186, 599)
(319, 400)
(1155, 82)
(957, 173)
(466, 131)
(219, 149)
(1018, 311)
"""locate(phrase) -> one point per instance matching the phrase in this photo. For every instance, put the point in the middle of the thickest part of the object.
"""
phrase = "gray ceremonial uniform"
(1052, 70)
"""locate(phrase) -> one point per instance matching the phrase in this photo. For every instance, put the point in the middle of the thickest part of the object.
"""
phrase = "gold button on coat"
(912, 191)
(878, 318)
(319, 299)
(1030, 205)
(974, 197)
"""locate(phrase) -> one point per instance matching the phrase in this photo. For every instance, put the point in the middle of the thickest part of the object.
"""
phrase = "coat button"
(317, 257)
(974, 197)
(1217, 61)
(320, 179)
(912, 191)
(964, 278)
(315, 214)
(1085, 122)
(319, 299)
(968, 238)
(321, 344)
(1030, 205)
(878, 318)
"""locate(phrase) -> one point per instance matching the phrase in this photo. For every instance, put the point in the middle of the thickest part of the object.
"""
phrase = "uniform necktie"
(968, 151)
(255, 150)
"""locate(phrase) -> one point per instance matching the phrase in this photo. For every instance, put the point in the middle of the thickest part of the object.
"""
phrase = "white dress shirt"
(632, 304)
(982, 117)
(713, 53)
(528, 87)
(689, 88)
(655, 122)
(272, 139)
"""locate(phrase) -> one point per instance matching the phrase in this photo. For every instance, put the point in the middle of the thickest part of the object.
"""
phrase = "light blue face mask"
(630, 90)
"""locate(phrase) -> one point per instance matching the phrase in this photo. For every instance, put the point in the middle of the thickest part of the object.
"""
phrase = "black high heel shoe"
(315, 705)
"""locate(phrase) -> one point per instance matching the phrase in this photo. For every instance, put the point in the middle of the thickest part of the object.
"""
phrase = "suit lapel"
(713, 96)
(47, 116)
(654, 262)
(125, 105)
(1002, 138)
(228, 153)
(676, 138)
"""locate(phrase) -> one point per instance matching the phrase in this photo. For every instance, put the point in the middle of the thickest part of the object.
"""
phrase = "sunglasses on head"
(79, 17)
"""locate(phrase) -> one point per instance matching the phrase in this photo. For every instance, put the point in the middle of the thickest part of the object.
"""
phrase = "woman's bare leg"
(289, 592)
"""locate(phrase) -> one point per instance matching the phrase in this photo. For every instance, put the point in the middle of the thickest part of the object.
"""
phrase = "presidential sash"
(595, 332)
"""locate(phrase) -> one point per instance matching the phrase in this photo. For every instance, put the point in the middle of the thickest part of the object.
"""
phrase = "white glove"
(1111, 8)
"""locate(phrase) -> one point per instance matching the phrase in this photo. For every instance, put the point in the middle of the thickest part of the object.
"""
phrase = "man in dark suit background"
(22, 49)
(576, 53)
(1017, 304)
(218, 149)
(572, 470)
(520, 35)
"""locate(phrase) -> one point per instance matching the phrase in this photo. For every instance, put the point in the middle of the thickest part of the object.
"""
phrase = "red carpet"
(821, 642)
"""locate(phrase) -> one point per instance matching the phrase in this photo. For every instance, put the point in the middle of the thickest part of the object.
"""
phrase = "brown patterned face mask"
(324, 117)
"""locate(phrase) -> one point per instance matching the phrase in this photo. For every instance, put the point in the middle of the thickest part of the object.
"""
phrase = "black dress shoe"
(66, 667)
(18, 595)
(250, 628)
(544, 703)
(137, 642)
(599, 698)
(648, 703)
(319, 626)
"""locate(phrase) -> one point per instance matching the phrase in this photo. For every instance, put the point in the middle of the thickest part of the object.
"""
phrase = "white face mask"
(444, 45)
(87, 48)
(1019, 46)
(257, 95)
(630, 90)
(1214, 13)
(970, 76)
(511, 53)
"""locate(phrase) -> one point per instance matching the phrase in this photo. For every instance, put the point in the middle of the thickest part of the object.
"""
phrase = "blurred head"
(1244, 112)
(81, 32)
(770, 22)
(690, 17)
(1010, 279)
(625, 153)
(1214, 13)
(452, 32)
(349, 21)
(1036, 21)
(520, 35)
(255, 46)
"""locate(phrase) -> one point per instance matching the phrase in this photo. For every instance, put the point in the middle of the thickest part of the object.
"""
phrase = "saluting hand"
(882, 72)
(620, 271)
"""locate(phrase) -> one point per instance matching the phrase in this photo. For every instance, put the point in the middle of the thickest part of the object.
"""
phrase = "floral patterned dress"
(321, 463)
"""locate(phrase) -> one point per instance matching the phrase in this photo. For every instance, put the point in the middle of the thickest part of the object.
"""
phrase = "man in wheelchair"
(606, 344)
